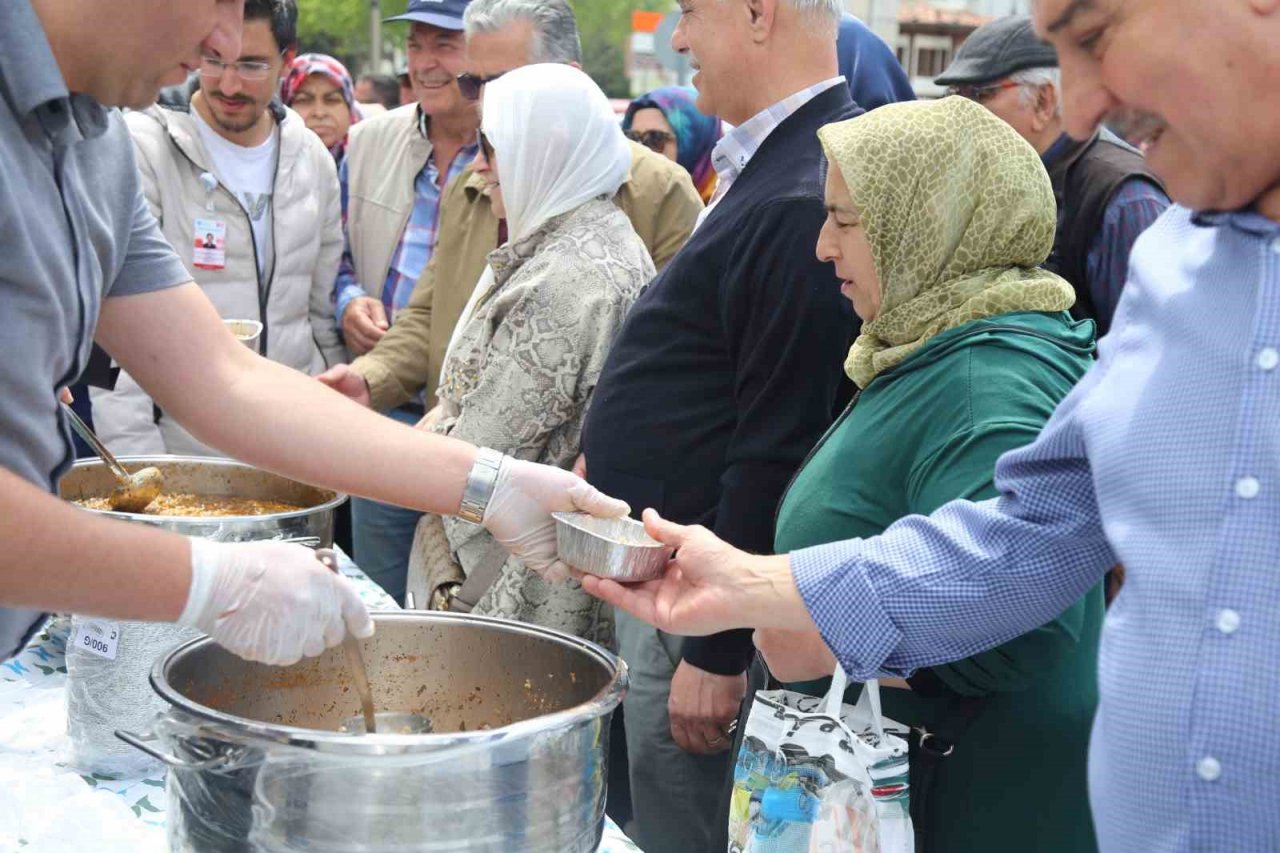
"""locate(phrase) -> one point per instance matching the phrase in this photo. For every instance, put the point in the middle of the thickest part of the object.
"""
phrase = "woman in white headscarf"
(531, 343)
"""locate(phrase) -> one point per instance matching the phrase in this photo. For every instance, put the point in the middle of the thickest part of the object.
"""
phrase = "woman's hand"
(795, 655)
(709, 587)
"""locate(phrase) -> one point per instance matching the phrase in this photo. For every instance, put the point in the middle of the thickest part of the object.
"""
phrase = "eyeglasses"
(214, 68)
(654, 140)
(471, 84)
(485, 147)
(983, 93)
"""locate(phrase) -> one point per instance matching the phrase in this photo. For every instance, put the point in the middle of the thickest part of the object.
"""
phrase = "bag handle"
(834, 699)
(868, 702)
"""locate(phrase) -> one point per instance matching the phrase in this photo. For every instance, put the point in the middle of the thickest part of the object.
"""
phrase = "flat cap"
(997, 50)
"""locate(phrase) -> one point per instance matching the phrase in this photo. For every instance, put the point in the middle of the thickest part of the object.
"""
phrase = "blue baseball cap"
(445, 14)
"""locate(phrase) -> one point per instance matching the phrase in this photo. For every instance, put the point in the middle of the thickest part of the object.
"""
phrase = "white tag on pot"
(97, 638)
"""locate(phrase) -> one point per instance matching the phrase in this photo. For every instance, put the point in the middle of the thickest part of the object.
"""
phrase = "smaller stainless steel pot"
(312, 525)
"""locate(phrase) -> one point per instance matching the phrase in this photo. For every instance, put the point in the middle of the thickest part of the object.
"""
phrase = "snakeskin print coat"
(519, 379)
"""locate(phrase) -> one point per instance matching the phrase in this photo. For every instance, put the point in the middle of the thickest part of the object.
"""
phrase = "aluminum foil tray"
(616, 548)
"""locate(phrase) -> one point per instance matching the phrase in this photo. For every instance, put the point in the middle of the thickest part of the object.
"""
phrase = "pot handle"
(143, 742)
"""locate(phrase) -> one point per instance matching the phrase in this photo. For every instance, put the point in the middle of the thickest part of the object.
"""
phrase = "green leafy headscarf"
(959, 213)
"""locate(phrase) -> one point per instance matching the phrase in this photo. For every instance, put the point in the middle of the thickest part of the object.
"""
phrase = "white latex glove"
(519, 512)
(269, 601)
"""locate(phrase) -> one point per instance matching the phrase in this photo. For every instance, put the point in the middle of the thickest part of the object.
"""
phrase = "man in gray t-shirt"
(81, 258)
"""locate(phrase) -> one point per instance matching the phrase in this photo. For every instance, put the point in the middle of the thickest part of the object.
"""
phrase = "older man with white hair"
(726, 373)
(1106, 193)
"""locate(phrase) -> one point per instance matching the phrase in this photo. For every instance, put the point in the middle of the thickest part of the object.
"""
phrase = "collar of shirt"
(1247, 220)
(30, 77)
(1056, 150)
(736, 148)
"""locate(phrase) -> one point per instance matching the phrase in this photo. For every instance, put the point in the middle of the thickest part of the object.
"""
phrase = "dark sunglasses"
(486, 147)
(471, 84)
(654, 140)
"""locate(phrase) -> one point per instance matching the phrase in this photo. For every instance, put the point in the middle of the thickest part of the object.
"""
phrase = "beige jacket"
(297, 290)
(384, 156)
(658, 197)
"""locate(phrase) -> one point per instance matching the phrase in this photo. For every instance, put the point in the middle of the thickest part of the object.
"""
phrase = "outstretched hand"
(709, 586)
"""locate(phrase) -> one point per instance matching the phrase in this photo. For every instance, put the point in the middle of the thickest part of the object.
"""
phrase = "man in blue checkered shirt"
(1165, 458)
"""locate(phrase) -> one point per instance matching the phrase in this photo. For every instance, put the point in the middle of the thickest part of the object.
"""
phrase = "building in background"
(930, 33)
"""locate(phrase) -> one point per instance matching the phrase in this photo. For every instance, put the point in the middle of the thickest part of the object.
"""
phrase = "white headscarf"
(557, 142)
(558, 145)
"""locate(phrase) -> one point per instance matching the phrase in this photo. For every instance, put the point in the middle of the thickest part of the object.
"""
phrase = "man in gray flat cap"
(1106, 194)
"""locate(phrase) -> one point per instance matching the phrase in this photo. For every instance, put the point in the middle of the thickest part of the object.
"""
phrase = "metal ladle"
(392, 722)
(133, 491)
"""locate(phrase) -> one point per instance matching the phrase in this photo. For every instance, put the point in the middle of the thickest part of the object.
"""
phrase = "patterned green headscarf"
(959, 213)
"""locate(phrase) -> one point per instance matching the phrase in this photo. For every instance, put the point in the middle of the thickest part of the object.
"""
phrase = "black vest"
(1085, 178)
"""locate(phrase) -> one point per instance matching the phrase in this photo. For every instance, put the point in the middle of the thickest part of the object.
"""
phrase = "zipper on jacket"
(264, 289)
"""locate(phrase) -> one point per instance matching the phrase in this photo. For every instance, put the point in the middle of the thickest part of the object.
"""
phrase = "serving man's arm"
(269, 415)
(173, 342)
(63, 559)
(266, 601)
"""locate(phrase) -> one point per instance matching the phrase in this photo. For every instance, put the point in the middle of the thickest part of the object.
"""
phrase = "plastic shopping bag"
(817, 776)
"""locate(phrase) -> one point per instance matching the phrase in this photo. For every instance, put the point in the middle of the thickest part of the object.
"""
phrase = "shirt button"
(1248, 487)
(1268, 359)
(1228, 621)
(1208, 768)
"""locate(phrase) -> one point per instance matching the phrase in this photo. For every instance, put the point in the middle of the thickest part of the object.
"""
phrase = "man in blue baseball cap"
(444, 14)
(397, 167)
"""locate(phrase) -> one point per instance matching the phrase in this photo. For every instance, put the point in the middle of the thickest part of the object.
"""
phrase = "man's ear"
(1047, 106)
(762, 15)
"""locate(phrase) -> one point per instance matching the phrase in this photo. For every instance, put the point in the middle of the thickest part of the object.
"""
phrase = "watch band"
(480, 485)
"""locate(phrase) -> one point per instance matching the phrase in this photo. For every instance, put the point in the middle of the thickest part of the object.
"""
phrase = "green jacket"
(924, 433)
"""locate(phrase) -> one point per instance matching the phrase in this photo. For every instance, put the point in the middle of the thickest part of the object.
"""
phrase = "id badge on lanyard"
(210, 241)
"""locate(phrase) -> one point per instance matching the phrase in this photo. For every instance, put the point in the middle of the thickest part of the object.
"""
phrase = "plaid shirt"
(736, 148)
(416, 243)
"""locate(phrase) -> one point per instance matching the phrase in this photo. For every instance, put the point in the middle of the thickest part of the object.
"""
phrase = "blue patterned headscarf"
(696, 134)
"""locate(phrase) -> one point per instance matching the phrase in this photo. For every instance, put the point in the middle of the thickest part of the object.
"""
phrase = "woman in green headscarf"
(939, 216)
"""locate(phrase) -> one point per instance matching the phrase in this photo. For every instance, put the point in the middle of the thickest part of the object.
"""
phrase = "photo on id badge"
(210, 252)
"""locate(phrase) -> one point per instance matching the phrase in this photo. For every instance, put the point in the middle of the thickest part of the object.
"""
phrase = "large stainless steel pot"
(517, 760)
(90, 478)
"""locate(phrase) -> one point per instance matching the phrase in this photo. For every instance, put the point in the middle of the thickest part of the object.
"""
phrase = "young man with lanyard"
(83, 258)
(242, 177)
(395, 174)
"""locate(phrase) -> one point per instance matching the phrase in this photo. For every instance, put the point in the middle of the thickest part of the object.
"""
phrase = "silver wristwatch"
(480, 484)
